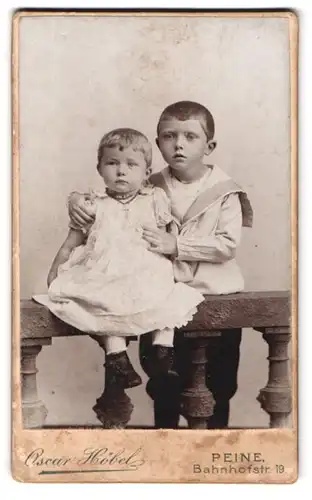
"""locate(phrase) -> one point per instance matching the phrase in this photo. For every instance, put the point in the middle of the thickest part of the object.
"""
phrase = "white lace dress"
(113, 284)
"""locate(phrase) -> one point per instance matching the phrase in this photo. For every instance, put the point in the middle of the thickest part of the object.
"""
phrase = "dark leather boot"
(162, 359)
(120, 365)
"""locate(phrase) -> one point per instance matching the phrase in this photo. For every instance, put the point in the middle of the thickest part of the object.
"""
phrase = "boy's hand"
(80, 212)
(160, 242)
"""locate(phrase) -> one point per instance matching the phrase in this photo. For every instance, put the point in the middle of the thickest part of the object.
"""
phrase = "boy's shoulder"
(224, 185)
(219, 175)
(157, 179)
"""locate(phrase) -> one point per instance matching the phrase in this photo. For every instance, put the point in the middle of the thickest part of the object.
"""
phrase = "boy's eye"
(167, 135)
(112, 162)
(132, 164)
(191, 136)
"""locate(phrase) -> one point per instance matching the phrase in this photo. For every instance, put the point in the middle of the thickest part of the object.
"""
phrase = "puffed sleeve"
(162, 207)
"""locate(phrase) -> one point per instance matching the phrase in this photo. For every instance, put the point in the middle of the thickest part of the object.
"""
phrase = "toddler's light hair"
(188, 110)
(123, 138)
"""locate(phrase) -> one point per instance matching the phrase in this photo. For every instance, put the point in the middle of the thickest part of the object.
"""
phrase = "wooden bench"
(266, 312)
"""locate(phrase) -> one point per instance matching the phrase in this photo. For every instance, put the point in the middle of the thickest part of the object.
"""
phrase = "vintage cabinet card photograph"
(154, 246)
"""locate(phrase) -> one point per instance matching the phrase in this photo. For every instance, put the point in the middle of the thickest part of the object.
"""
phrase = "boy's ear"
(157, 142)
(211, 146)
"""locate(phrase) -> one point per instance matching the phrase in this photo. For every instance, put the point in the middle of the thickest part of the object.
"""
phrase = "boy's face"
(124, 170)
(182, 143)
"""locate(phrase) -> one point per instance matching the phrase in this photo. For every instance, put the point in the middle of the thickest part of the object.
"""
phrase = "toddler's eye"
(132, 165)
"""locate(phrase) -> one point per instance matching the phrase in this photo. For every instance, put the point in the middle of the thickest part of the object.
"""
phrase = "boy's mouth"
(178, 156)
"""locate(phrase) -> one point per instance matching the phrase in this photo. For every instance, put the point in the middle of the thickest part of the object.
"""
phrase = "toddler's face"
(123, 170)
(182, 143)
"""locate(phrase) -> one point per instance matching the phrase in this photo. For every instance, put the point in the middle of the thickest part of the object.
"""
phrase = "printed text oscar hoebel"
(244, 462)
(92, 456)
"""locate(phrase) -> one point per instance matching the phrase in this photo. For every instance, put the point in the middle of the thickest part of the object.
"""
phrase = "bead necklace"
(123, 198)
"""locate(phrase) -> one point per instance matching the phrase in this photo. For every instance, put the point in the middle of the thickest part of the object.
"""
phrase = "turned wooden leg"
(34, 412)
(197, 402)
(275, 397)
(113, 408)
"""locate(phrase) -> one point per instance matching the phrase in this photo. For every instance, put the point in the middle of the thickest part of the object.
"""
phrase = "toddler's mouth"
(179, 155)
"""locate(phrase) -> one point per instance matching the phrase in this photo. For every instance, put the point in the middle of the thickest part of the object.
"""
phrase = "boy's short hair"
(188, 110)
(124, 138)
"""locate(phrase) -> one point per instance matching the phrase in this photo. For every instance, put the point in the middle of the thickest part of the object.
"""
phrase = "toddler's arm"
(73, 240)
(81, 213)
(222, 245)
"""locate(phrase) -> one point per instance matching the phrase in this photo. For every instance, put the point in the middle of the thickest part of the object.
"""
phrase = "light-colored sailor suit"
(208, 227)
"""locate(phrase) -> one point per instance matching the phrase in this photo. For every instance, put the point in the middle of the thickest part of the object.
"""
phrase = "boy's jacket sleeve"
(219, 247)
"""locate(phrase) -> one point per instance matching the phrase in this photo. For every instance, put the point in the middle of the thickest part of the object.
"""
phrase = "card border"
(17, 16)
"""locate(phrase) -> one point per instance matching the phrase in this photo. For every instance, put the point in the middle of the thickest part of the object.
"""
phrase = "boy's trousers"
(223, 355)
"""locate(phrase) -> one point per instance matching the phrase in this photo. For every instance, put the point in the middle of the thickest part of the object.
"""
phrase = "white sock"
(114, 344)
(163, 337)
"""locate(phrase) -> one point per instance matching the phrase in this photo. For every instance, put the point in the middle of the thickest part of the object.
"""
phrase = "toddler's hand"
(81, 209)
(160, 242)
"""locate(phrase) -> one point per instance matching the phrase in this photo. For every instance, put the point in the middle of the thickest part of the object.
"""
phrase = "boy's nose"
(179, 142)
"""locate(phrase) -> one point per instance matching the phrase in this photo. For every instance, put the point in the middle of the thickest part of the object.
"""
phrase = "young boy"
(209, 212)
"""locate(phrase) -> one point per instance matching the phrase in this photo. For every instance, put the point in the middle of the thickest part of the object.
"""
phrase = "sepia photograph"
(155, 233)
